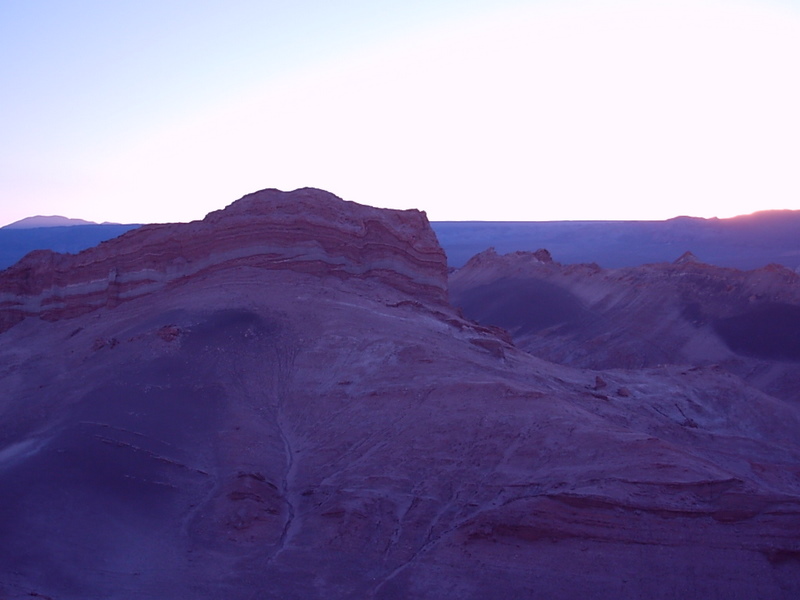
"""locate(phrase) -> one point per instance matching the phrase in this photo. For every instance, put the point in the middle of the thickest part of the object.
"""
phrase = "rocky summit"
(279, 401)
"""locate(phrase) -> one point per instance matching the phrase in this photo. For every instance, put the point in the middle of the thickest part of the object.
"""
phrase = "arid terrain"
(685, 312)
(289, 399)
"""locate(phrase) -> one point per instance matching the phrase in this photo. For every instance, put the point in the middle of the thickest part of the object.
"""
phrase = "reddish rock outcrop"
(308, 230)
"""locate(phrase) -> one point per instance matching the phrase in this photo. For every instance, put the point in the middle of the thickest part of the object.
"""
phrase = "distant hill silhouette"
(745, 242)
(43, 221)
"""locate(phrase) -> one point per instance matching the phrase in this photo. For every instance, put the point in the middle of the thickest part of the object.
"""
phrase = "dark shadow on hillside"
(521, 306)
(769, 332)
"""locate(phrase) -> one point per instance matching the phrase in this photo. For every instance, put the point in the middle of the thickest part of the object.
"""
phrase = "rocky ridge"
(306, 230)
(685, 312)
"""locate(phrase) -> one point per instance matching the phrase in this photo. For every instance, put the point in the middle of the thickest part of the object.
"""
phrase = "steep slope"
(306, 417)
(685, 312)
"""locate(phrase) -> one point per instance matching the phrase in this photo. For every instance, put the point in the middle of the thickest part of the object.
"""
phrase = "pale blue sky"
(551, 109)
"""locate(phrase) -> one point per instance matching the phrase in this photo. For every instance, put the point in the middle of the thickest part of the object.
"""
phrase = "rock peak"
(543, 254)
(686, 258)
(491, 257)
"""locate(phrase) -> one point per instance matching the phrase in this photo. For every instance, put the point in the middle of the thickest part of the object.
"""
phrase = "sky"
(495, 110)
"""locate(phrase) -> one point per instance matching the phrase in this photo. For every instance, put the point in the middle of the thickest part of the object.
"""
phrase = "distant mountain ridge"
(46, 221)
(744, 242)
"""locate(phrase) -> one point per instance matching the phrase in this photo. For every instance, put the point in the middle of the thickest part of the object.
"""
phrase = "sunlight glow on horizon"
(548, 111)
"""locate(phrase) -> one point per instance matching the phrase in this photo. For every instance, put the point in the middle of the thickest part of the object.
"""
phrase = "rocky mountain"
(685, 312)
(250, 232)
(279, 401)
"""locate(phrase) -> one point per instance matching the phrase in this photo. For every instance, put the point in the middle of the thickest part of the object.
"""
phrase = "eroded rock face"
(249, 432)
(685, 312)
(306, 230)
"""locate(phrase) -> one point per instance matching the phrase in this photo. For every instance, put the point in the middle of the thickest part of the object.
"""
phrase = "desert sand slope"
(317, 422)
(685, 312)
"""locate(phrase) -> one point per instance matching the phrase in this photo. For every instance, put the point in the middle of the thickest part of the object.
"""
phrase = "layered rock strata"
(307, 230)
